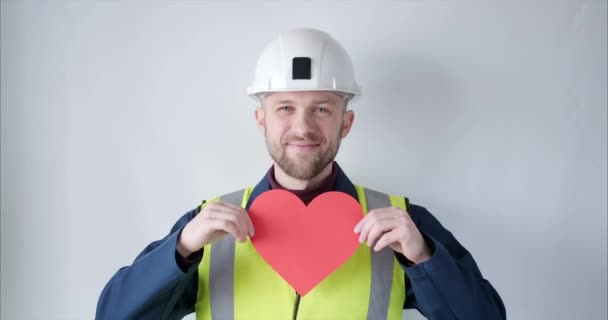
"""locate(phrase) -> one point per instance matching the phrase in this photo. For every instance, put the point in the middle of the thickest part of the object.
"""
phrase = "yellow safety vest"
(235, 282)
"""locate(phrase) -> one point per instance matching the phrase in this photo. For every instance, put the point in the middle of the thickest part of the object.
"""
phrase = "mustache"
(308, 137)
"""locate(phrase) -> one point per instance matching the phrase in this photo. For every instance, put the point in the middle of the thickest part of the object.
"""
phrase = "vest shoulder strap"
(371, 199)
(237, 198)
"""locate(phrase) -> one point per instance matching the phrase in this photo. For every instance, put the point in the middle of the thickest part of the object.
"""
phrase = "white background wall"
(119, 116)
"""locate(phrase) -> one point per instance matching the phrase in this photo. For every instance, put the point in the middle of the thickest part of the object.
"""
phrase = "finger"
(387, 239)
(369, 225)
(360, 224)
(226, 226)
(364, 227)
(245, 214)
(378, 229)
(222, 213)
(229, 215)
(242, 215)
(373, 214)
(366, 223)
(250, 225)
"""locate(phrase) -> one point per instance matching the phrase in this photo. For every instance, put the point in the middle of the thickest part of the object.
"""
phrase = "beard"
(308, 166)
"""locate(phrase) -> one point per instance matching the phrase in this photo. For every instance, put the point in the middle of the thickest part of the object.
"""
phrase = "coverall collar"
(343, 184)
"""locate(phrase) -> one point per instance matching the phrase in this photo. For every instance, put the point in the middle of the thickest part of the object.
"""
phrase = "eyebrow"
(314, 102)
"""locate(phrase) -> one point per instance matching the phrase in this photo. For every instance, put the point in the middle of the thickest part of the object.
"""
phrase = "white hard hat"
(304, 60)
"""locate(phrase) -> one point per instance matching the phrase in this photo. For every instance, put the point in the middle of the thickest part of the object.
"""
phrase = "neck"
(291, 183)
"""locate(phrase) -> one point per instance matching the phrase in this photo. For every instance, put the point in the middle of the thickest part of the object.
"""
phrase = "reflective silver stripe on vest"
(382, 266)
(221, 269)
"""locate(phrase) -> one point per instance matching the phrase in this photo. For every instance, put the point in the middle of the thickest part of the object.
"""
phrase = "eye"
(284, 108)
(321, 109)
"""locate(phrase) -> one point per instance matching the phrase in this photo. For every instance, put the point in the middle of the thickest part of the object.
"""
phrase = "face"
(303, 130)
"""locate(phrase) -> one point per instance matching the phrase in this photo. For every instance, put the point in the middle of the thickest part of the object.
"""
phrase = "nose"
(303, 123)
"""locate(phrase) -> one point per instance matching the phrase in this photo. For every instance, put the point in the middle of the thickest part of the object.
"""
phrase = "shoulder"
(424, 219)
(420, 214)
(429, 225)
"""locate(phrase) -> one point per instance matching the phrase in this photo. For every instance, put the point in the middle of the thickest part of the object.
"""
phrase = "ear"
(347, 122)
(259, 119)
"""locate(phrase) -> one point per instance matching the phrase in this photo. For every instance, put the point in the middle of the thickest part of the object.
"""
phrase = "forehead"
(304, 97)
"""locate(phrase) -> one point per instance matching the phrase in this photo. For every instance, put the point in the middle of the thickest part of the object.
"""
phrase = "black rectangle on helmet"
(301, 68)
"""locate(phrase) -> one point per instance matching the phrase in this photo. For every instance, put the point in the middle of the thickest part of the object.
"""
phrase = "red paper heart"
(304, 244)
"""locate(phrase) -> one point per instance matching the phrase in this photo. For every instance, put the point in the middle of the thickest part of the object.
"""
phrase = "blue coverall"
(447, 286)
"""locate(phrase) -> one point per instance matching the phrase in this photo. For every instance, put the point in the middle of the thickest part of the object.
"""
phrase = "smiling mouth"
(303, 146)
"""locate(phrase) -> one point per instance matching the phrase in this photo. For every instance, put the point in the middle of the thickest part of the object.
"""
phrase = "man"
(304, 83)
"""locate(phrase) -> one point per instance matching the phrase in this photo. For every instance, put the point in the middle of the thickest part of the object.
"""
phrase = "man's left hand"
(393, 227)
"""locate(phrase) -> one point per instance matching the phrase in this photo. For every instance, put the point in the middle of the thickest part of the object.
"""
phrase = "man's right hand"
(213, 222)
